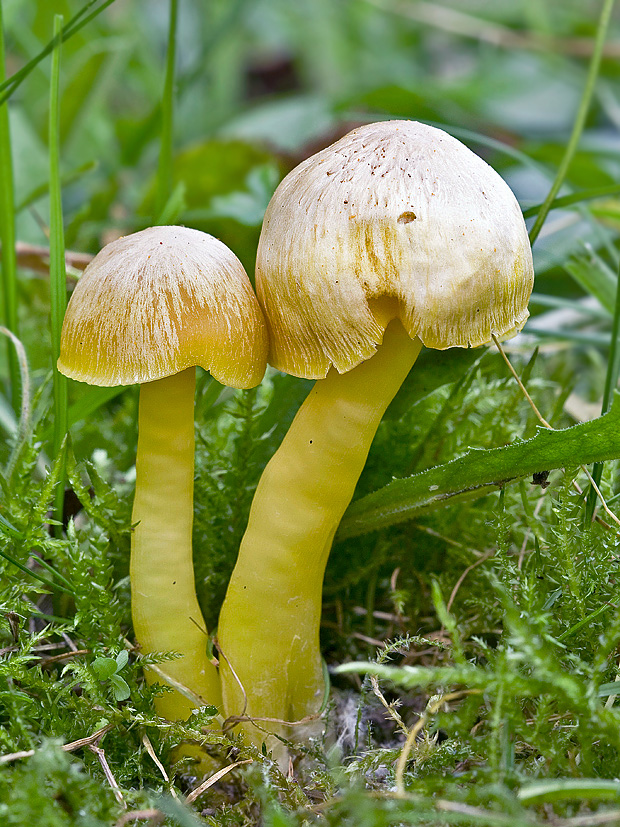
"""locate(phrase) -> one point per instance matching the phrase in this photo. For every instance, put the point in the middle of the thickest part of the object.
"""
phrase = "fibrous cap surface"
(158, 301)
(394, 219)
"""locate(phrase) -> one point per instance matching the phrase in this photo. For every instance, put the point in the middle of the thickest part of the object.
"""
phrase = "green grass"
(7, 232)
(472, 648)
(58, 276)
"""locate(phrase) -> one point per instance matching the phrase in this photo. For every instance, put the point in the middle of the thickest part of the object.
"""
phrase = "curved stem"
(269, 624)
(165, 611)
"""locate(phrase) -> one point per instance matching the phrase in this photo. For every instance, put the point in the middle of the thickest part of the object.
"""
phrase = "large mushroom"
(396, 236)
(148, 309)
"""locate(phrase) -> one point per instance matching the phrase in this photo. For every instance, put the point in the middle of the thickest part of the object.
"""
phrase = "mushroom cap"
(161, 300)
(396, 219)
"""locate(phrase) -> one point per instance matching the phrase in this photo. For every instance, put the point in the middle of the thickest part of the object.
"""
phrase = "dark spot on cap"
(406, 217)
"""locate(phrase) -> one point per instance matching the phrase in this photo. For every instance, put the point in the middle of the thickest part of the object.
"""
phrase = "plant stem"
(269, 624)
(165, 611)
(580, 120)
(7, 232)
(58, 276)
(164, 168)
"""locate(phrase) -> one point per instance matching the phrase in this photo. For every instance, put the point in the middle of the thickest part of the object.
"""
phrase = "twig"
(63, 656)
(215, 777)
(235, 676)
(154, 816)
(432, 707)
(467, 25)
(81, 742)
(149, 748)
(196, 699)
(240, 719)
(457, 586)
(371, 641)
(609, 817)
(69, 642)
(36, 257)
(379, 615)
(606, 509)
(100, 753)
(532, 404)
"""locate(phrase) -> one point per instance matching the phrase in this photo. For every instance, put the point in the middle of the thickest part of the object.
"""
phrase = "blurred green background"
(261, 84)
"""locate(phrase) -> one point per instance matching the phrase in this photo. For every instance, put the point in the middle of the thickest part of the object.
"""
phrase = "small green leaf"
(121, 659)
(104, 668)
(119, 688)
(210, 710)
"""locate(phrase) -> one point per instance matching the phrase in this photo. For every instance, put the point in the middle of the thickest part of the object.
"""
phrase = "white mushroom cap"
(161, 300)
(394, 219)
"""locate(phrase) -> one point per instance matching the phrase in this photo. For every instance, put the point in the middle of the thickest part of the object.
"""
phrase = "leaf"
(431, 370)
(480, 471)
(121, 659)
(119, 688)
(104, 668)
(595, 276)
(568, 789)
(247, 206)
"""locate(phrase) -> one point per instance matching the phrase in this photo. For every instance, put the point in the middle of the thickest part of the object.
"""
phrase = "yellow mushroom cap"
(161, 300)
(395, 211)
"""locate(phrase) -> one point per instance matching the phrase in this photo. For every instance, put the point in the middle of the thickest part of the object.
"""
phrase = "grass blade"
(569, 789)
(7, 232)
(45, 580)
(574, 198)
(580, 120)
(58, 276)
(164, 168)
(77, 22)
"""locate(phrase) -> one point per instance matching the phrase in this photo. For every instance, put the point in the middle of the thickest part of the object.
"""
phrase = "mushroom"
(148, 309)
(394, 237)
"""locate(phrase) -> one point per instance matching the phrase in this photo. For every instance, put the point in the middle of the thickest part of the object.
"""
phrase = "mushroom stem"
(269, 623)
(165, 611)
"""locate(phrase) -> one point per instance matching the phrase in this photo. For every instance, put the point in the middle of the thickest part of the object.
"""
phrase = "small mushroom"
(148, 309)
(396, 236)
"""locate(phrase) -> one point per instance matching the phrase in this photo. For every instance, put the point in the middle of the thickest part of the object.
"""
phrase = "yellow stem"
(165, 611)
(269, 624)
